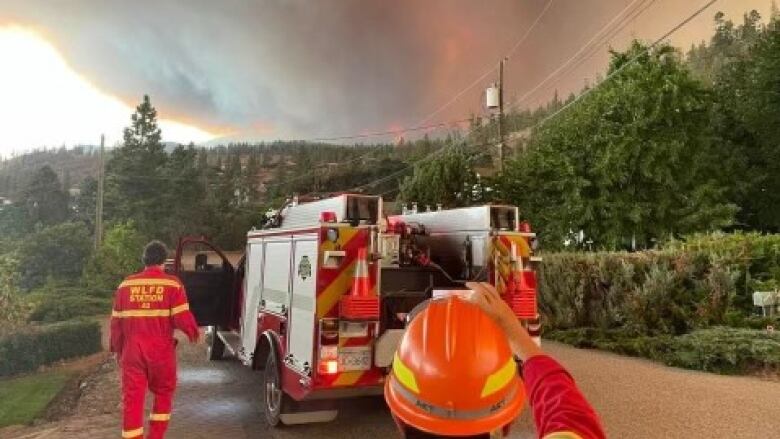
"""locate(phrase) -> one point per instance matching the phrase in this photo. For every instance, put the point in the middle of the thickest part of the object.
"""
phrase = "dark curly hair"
(155, 253)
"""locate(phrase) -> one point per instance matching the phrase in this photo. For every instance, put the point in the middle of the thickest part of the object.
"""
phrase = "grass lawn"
(22, 399)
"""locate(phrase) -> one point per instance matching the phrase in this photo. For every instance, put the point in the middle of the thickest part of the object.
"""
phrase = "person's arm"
(116, 338)
(560, 410)
(558, 405)
(183, 319)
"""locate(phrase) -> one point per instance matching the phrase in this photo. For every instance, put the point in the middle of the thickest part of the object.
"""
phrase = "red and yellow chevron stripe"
(332, 285)
(501, 257)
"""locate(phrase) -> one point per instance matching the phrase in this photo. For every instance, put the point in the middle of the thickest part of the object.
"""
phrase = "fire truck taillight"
(329, 367)
(329, 359)
(329, 347)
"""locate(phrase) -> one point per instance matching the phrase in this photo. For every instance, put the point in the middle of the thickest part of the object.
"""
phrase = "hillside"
(282, 167)
(72, 165)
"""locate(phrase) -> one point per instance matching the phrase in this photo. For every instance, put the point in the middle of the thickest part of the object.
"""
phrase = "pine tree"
(250, 179)
(66, 182)
(135, 175)
(185, 192)
(45, 201)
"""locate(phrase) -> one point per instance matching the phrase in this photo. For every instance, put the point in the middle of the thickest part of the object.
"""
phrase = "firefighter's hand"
(195, 337)
(487, 298)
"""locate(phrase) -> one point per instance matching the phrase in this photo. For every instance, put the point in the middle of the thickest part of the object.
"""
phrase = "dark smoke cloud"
(295, 68)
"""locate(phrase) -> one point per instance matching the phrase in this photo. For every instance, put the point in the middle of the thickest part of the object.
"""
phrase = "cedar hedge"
(687, 304)
(704, 281)
(67, 307)
(31, 347)
(652, 292)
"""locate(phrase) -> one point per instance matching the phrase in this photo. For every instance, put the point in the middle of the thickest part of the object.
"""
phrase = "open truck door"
(209, 278)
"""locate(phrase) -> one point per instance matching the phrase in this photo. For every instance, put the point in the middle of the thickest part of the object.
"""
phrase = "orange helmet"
(454, 373)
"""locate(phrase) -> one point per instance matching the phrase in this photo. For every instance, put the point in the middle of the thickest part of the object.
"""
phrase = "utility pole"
(494, 100)
(99, 204)
(501, 114)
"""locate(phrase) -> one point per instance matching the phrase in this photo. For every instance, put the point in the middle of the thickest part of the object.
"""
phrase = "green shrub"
(118, 256)
(52, 308)
(56, 252)
(14, 308)
(736, 319)
(726, 350)
(703, 281)
(717, 349)
(31, 347)
(649, 292)
(753, 258)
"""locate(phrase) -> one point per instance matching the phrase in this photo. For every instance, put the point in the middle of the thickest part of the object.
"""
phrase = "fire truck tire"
(215, 347)
(276, 403)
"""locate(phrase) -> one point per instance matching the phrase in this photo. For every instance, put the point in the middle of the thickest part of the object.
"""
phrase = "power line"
(604, 29)
(627, 63)
(492, 69)
(588, 51)
(401, 171)
(422, 125)
(419, 127)
(427, 157)
(588, 91)
(398, 188)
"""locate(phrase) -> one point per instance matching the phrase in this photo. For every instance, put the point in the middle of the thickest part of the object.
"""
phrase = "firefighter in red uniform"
(454, 375)
(148, 306)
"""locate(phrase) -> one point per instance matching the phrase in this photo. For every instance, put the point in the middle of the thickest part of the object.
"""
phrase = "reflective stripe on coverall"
(148, 306)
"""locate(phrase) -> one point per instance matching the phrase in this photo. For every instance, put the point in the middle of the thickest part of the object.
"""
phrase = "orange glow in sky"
(43, 102)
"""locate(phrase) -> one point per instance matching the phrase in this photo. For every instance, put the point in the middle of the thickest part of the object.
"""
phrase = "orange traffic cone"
(361, 303)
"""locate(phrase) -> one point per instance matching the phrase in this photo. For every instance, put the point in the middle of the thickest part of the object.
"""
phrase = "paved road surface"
(636, 399)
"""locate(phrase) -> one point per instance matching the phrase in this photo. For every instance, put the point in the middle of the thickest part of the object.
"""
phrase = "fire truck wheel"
(275, 401)
(215, 347)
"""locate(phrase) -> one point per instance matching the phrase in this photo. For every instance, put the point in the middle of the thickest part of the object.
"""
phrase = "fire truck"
(320, 298)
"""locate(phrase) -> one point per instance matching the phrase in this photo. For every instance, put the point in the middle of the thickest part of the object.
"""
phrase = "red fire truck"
(319, 299)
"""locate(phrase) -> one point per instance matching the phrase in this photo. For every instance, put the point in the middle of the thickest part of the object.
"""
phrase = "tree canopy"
(45, 200)
(448, 180)
(633, 161)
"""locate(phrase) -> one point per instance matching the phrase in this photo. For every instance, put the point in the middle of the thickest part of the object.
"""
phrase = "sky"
(303, 69)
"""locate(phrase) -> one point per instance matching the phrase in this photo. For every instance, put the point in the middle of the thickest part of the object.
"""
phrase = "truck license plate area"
(354, 358)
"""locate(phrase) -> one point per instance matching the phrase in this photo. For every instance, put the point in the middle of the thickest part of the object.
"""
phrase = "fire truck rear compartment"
(327, 288)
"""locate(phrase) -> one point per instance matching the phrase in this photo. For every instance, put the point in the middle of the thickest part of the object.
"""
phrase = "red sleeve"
(183, 319)
(558, 406)
(116, 338)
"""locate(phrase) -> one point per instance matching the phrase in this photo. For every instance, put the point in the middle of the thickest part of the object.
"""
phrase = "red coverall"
(560, 410)
(147, 307)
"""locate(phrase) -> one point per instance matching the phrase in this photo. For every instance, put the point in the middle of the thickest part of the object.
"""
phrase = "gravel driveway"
(636, 399)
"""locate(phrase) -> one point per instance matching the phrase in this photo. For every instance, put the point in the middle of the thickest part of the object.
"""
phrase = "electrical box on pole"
(492, 98)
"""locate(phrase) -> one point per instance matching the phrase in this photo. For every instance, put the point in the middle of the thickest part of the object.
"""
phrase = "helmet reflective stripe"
(404, 375)
(446, 413)
(500, 379)
(563, 435)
